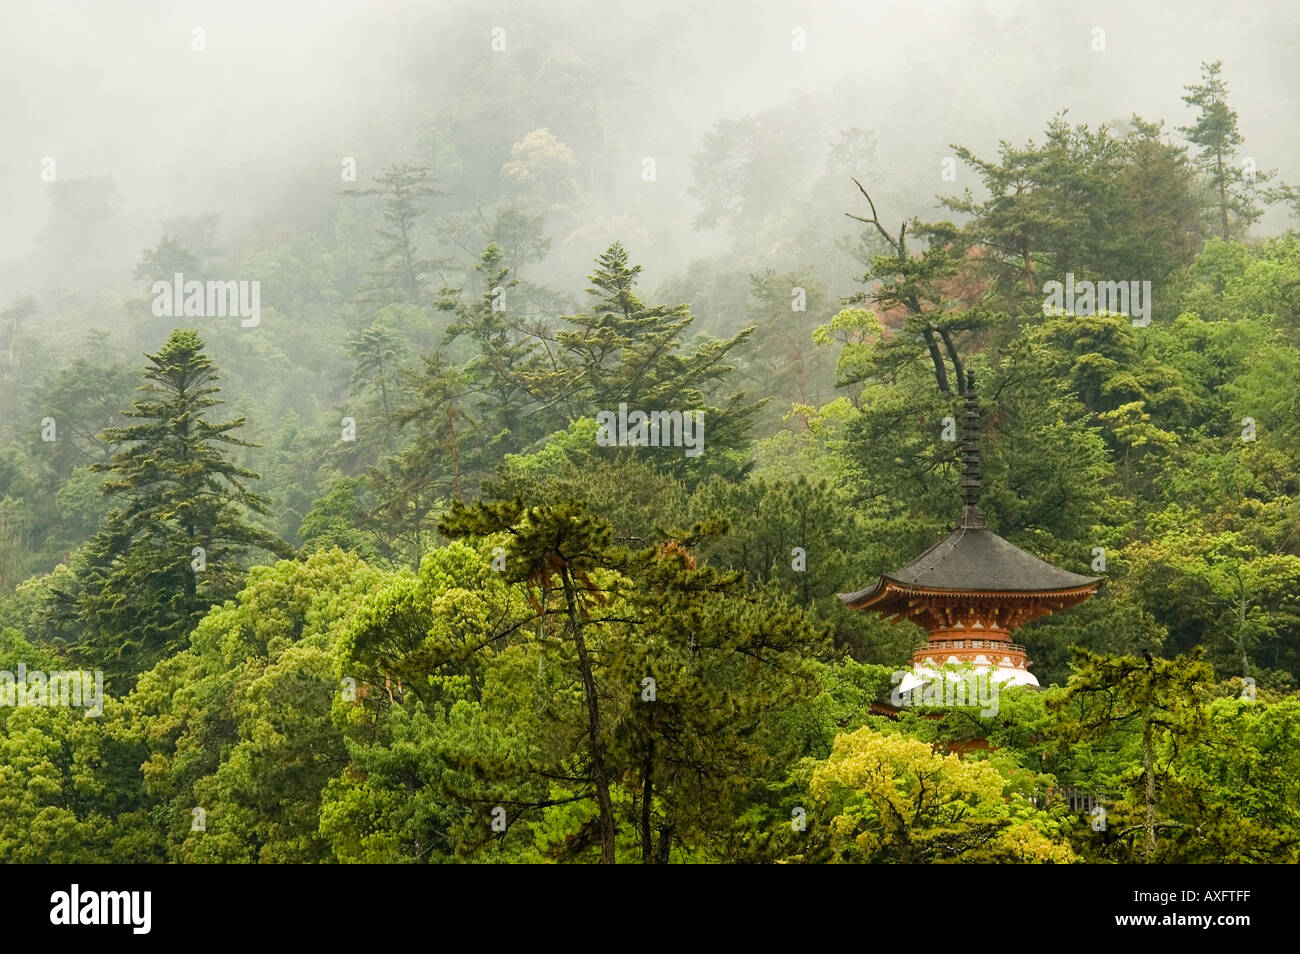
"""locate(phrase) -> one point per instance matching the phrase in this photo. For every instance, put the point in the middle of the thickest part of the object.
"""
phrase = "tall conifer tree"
(172, 546)
(1215, 133)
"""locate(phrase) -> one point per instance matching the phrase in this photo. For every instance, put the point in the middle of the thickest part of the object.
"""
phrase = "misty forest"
(442, 435)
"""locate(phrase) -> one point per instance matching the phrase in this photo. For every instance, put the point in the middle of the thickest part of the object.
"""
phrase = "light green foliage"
(888, 797)
(240, 723)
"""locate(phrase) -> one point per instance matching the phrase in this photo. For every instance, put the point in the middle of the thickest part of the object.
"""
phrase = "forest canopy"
(378, 517)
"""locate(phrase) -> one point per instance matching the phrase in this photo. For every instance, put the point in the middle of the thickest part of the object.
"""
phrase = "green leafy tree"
(887, 797)
(248, 721)
(411, 486)
(84, 397)
(744, 167)
(337, 519)
(1153, 705)
(785, 310)
(1101, 205)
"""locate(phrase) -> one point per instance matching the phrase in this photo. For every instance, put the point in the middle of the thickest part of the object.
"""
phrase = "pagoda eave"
(886, 595)
(942, 611)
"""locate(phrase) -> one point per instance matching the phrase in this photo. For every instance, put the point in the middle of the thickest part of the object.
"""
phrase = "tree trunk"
(958, 369)
(940, 369)
(1241, 633)
(1223, 194)
(647, 799)
(1149, 770)
(598, 776)
(665, 843)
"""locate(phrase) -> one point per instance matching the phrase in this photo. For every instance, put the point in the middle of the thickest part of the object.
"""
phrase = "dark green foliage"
(172, 546)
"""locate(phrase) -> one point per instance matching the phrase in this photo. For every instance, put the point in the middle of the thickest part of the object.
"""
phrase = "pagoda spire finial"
(970, 458)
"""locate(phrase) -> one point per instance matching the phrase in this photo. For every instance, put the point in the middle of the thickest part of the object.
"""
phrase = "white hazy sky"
(113, 88)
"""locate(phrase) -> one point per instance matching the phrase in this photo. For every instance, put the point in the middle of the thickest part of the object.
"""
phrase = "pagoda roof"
(976, 561)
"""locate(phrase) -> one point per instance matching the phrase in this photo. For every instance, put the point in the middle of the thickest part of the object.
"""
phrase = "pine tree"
(413, 485)
(1215, 132)
(172, 547)
(623, 350)
(380, 356)
(399, 273)
(913, 283)
(554, 550)
(677, 667)
(503, 374)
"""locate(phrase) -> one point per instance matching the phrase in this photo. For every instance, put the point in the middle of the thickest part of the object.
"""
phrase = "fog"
(257, 122)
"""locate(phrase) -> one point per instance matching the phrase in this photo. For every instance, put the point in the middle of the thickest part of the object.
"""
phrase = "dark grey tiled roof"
(977, 559)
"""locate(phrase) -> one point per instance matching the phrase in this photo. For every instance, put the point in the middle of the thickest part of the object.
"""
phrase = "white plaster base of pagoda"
(922, 675)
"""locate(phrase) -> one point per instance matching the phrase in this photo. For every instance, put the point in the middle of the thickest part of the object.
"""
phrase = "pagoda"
(972, 588)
